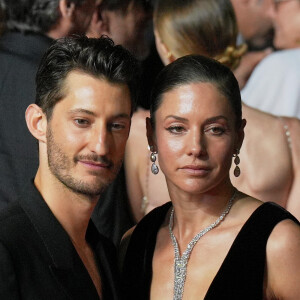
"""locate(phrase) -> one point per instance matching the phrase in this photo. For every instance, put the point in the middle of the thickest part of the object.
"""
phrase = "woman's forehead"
(193, 98)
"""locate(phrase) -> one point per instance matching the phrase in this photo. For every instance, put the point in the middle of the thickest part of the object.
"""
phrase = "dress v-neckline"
(228, 255)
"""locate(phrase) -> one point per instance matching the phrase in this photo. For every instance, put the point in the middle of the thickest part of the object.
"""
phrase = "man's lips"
(95, 165)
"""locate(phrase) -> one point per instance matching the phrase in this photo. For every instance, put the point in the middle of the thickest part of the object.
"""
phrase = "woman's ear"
(163, 51)
(151, 135)
(36, 122)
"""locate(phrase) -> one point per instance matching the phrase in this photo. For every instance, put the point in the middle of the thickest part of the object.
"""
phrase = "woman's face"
(286, 20)
(196, 137)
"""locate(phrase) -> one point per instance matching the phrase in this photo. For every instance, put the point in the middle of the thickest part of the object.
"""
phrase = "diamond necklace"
(180, 263)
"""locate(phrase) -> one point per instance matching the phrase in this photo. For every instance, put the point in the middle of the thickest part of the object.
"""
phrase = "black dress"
(241, 274)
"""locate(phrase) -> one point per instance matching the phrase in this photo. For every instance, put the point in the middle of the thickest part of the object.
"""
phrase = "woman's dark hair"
(97, 57)
(193, 69)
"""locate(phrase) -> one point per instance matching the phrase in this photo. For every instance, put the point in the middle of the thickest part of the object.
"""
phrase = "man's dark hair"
(96, 57)
(32, 15)
(193, 69)
(122, 5)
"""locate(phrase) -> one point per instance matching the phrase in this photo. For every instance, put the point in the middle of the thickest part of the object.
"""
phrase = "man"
(126, 22)
(49, 248)
(254, 24)
(256, 30)
(30, 27)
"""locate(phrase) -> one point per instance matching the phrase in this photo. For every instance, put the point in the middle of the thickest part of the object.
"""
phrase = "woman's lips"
(196, 170)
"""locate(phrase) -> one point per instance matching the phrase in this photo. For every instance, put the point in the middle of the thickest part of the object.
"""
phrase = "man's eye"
(175, 129)
(81, 122)
(117, 126)
(215, 130)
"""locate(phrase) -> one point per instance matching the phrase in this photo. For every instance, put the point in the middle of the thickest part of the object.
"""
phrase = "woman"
(211, 241)
(270, 158)
(274, 86)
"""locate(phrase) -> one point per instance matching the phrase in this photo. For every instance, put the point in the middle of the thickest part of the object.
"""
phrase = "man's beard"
(60, 166)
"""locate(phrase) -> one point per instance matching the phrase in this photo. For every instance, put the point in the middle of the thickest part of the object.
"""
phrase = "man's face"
(87, 133)
(254, 23)
(286, 19)
(83, 15)
(130, 29)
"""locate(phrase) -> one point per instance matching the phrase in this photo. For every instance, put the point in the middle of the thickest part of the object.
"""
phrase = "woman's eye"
(175, 129)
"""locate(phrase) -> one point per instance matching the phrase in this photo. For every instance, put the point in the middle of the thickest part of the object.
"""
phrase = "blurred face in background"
(254, 23)
(83, 14)
(130, 29)
(285, 15)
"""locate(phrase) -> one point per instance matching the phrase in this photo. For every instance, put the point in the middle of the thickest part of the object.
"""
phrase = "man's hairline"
(64, 88)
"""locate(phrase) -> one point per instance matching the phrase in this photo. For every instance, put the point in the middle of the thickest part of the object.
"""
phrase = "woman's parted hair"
(194, 69)
(204, 27)
(97, 57)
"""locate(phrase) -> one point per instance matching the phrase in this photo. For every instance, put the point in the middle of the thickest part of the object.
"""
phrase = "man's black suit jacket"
(38, 260)
(20, 55)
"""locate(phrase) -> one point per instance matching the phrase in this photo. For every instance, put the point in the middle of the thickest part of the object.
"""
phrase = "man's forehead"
(85, 86)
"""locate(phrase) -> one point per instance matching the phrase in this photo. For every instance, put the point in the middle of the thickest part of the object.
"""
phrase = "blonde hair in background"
(205, 27)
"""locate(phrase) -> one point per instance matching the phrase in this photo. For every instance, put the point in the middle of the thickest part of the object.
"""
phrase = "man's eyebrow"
(81, 110)
(122, 115)
(91, 113)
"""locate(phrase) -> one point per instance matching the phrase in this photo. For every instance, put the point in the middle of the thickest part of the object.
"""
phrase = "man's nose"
(99, 141)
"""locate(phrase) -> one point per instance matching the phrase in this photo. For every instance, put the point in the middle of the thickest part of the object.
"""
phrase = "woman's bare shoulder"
(283, 260)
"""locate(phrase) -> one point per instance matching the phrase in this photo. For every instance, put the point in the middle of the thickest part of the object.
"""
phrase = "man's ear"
(66, 8)
(151, 135)
(36, 122)
(99, 24)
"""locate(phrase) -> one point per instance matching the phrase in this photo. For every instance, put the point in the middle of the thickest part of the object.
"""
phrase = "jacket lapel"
(66, 265)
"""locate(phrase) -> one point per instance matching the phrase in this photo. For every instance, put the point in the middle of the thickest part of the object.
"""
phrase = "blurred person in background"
(270, 157)
(1, 17)
(126, 22)
(274, 86)
(254, 24)
(30, 27)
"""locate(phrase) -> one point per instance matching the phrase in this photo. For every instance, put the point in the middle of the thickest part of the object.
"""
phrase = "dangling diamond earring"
(154, 167)
(237, 170)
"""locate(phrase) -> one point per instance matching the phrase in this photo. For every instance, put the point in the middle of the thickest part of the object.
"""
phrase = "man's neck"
(73, 211)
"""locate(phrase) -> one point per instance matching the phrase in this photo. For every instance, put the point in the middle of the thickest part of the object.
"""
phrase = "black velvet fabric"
(241, 274)
(112, 215)
(38, 260)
